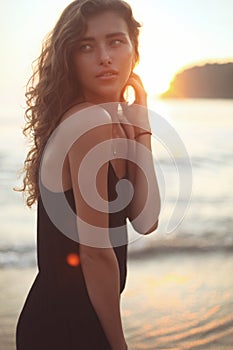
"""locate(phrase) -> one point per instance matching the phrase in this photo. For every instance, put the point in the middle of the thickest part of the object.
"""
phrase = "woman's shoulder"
(73, 109)
(84, 125)
(87, 110)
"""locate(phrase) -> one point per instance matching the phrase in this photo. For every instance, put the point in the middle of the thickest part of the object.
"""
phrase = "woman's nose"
(104, 56)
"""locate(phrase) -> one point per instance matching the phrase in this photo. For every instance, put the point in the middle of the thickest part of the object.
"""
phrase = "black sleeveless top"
(58, 313)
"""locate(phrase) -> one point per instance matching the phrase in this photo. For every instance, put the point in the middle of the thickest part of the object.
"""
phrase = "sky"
(175, 34)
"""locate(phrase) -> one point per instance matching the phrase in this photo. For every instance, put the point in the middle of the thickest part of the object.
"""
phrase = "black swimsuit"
(58, 314)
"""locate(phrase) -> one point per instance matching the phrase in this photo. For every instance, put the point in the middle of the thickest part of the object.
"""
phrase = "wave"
(165, 249)
(19, 256)
(199, 162)
(25, 256)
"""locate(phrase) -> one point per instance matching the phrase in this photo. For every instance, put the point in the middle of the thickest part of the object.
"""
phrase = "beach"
(180, 301)
(179, 291)
(176, 300)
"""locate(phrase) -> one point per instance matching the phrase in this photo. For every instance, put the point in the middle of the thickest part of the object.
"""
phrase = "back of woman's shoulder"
(88, 110)
(85, 118)
(75, 108)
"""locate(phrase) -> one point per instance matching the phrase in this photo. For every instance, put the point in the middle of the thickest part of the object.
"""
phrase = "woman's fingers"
(140, 93)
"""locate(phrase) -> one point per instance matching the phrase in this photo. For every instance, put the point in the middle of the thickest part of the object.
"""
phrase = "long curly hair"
(53, 88)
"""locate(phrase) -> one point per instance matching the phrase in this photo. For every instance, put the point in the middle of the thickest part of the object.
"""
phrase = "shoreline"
(174, 301)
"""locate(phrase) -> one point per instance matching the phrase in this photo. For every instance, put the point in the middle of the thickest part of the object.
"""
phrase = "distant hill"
(208, 81)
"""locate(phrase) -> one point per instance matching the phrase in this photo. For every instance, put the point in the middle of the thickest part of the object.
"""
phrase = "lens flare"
(73, 259)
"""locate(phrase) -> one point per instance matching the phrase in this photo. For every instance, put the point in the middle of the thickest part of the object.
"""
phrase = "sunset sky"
(175, 34)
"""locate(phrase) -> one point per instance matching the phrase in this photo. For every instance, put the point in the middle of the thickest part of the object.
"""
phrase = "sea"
(192, 148)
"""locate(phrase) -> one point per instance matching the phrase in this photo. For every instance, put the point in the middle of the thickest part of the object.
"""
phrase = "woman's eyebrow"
(110, 35)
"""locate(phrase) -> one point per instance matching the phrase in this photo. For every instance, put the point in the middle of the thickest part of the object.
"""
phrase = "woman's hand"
(136, 114)
(140, 92)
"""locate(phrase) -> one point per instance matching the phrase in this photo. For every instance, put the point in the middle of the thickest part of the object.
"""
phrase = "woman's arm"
(146, 191)
(99, 265)
(101, 273)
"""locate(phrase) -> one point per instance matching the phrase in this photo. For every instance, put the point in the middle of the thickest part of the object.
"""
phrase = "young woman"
(83, 71)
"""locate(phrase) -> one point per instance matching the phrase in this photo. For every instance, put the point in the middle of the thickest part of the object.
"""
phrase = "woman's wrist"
(142, 133)
(143, 138)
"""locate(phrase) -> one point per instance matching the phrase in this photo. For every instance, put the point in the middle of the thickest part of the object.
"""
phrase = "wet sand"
(171, 301)
(181, 301)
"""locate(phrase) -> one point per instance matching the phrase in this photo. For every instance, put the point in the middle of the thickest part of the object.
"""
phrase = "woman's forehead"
(106, 24)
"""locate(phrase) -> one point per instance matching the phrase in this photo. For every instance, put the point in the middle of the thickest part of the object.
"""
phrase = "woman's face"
(104, 58)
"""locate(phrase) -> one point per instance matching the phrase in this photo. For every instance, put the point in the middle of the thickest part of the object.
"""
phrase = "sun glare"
(155, 81)
(157, 68)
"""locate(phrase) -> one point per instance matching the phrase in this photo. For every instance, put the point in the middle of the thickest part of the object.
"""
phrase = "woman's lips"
(107, 75)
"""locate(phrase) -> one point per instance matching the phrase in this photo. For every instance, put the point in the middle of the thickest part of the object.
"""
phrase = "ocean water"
(205, 128)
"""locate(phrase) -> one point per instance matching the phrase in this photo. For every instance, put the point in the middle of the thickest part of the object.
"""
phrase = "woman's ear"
(133, 62)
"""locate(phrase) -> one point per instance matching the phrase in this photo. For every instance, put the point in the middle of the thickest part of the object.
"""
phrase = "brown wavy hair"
(52, 88)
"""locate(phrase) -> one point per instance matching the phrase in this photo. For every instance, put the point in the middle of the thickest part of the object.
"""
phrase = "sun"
(155, 81)
(156, 68)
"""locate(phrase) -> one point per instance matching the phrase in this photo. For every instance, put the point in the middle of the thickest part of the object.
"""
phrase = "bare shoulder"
(75, 109)
(88, 112)
(85, 125)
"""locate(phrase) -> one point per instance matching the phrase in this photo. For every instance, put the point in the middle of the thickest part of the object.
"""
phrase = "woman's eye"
(85, 47)
(116, 42)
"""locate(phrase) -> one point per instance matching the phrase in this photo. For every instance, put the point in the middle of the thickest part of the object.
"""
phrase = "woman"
(85, 66)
